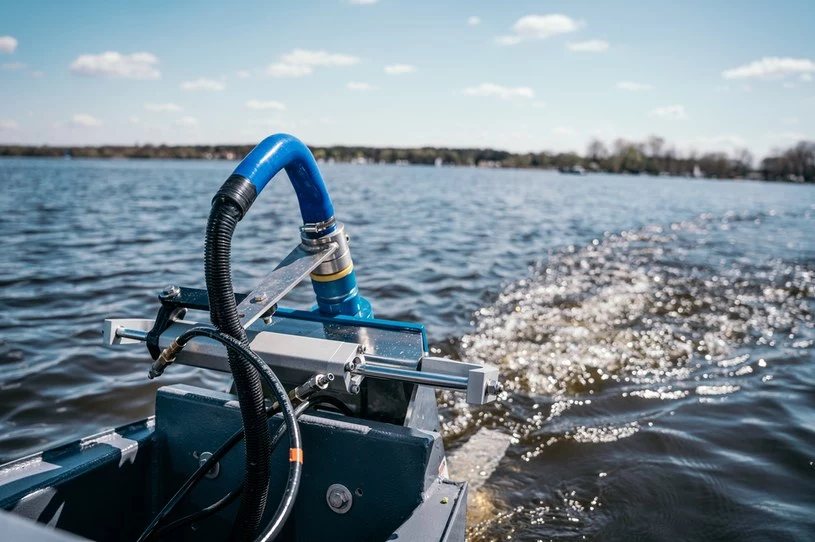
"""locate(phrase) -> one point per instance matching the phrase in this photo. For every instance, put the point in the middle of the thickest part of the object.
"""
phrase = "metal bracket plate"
(295, 267)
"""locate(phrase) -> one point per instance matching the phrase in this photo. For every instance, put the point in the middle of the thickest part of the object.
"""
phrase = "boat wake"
(604, 341)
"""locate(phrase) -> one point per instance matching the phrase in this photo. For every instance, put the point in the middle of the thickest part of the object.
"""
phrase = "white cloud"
(473, 20)
(12, 66)
(243, 74)
(363, 2)
(8, 44)
(787, 136)
(163, 108)
(537, 27)
(302, 57)
(498, 91)
(203, 84)
(807, 77)
(85, 120)
(188, 122)
(399, 69)
(36, 74)
(360, 86)
(287, 70)
(564, 131)
(134, 119)
(114, 64)
(634, 87)
(673, 112)
(8, 124)
(269, 104)
(590, 46)
(771, 67)
(301, 62)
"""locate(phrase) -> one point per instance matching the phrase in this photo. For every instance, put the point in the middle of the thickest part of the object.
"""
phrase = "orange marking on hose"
(295, 454)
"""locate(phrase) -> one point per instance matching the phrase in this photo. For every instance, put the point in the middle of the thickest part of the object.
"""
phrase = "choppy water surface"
(656, 335)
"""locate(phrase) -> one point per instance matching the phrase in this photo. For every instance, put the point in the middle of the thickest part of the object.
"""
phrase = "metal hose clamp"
(340, 262)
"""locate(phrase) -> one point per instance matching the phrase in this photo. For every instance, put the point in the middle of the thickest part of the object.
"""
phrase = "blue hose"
(281, 151)
(336, 296)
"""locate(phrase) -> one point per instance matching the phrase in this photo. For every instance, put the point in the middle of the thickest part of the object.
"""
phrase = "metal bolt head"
(339, 498)
(260, 298)
(494, 387)
(170, 291)
(216, 468)
(354, 389)
(336, 499)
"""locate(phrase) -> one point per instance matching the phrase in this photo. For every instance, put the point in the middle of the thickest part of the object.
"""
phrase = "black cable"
(291, 426)
(230, 497)
(223, 219)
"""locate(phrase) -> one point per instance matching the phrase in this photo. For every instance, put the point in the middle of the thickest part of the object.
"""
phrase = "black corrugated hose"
(223, 219)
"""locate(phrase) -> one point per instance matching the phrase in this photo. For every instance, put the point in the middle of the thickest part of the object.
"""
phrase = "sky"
(521, 76)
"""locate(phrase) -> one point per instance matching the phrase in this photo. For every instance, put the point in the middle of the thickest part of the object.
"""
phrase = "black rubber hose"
(295, 441)
(223, 219)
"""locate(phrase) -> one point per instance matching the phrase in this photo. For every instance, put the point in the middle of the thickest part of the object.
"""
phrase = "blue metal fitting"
(341, 296)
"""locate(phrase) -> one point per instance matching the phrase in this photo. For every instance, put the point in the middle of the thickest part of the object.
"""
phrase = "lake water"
(656, 335)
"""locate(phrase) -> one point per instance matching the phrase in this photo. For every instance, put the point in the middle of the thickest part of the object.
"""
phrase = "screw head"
(339, 498)
(354, 389)
(216, 468)
(170, 291)
(260, 298)
(494, 387)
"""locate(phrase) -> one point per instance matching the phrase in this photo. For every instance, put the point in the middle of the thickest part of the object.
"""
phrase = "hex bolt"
(494, 387)
(354, 389)
(216, 468)
(350, 366)
(339, 498)
(170, 291)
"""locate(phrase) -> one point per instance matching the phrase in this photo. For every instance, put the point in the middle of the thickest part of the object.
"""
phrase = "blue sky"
(512, 75)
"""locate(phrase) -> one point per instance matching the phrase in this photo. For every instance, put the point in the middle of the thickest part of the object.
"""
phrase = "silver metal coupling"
(339, 262)
(314, 384)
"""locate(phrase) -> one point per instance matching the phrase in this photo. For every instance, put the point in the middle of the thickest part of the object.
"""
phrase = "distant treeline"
(652, 156)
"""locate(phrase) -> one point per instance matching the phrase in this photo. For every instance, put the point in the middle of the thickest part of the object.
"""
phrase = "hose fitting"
(166, 357)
